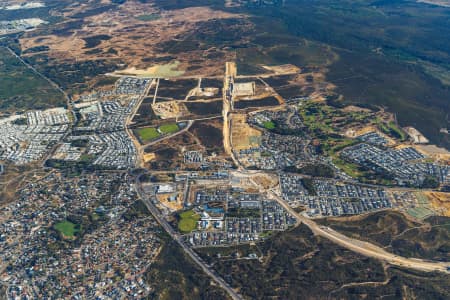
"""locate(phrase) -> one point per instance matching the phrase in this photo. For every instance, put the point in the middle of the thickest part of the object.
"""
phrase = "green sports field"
(148, 134)
(188, 221)
(169, 128)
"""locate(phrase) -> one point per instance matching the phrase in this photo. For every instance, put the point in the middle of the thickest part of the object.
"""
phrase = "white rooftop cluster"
(27, 138)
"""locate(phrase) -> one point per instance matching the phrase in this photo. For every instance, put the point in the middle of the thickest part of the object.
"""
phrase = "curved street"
(188, 250)
(364, 248)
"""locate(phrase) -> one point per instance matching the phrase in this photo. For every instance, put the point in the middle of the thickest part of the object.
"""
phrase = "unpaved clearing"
(283, 69)
(134, 41)
(173, 201)
(434, 151)
(357, 131)
(353, 108)
(266, 181)
(156, 71)
(149, 157)
(440, 202)
(169, 109)
(242, 135)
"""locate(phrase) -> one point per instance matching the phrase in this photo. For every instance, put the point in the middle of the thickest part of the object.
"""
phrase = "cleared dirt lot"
(440, 202)
(242, 135)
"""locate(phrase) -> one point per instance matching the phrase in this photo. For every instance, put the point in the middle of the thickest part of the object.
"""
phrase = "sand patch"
(173, 201)
(242, 135)
(156, 71)
(149, 157)
(440, 202)
(434, 152)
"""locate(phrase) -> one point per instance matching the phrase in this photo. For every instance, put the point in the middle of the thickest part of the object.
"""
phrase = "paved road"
(129, 120)
(56, 86)
(364, 248)
(188, 250)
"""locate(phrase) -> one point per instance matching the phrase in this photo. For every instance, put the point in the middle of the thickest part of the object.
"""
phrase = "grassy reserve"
(148, 134)
(169, 128)
(269, 125)
(67, 228)
(188, 221)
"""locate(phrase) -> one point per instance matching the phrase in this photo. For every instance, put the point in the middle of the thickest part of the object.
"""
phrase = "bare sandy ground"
(440, 202)
(133, 41)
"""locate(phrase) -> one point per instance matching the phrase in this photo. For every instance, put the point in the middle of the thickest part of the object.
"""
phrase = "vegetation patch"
(349, 168)
(396, 233)
(308, 183)
(18, 86)
(175, 276)
(269, 125)
(393, 130)
(188, 221)
(243, 213)
(73, 76)
(137, 210)
(295, 265)
(67, 229)
(148, 134)
(147, 18)
(314, 170)
(94, 41)
(169, 128)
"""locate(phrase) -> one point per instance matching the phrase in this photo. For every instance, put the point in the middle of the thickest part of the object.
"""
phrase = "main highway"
(361, 247)
(188, 250)
(364, 248)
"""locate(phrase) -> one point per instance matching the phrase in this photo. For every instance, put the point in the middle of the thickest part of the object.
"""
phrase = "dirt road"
(227, 108)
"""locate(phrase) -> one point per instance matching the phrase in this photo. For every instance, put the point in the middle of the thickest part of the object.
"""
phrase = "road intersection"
(361, 247)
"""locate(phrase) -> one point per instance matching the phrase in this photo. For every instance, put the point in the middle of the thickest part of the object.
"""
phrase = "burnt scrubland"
(176, 89)
(268, 101)
(205, 108)
(210, 135)
(392, 230)
(388, 54)
(175, 276)
(298, 265)
(382, 53)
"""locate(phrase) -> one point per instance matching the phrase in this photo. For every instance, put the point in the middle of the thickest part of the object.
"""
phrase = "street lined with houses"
(103, 182)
